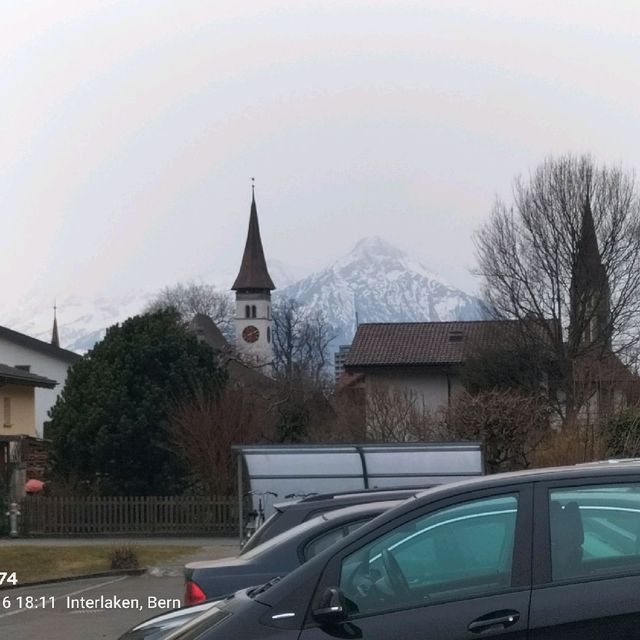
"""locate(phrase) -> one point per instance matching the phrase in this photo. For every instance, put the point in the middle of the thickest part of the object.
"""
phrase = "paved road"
(83, 609)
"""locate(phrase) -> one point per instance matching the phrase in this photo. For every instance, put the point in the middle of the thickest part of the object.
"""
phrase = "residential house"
(46, 360)
(20, 456)
(424, 358)
(422, 363)
(18, 401)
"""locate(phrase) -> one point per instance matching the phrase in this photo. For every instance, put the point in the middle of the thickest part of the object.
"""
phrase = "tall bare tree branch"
(529, 253)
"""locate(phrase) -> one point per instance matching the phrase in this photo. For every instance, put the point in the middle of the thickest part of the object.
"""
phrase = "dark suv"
(290, 514)
(545, 554)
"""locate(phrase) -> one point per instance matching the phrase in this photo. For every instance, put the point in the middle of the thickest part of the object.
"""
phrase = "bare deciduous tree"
(397, 414)
(530, 258)
(301, 354)
(193, 298)
(288, 336)
(204, 429)
(510, 424)
(300, 341)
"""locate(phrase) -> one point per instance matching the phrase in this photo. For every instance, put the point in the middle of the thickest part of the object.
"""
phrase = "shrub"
(568, 446)
(124, 557)
(621, 433)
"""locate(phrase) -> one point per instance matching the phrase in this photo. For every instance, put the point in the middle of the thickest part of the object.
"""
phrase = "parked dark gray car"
(547, 554)
(290, 514)
(279, 555)
(159, 627)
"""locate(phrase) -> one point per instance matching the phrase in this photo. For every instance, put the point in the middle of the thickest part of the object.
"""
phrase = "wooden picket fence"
(166, 515)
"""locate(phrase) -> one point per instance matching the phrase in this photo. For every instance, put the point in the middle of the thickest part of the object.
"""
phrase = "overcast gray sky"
(130, 130)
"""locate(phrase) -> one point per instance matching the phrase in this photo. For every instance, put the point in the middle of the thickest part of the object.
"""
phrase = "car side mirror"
(333, 607)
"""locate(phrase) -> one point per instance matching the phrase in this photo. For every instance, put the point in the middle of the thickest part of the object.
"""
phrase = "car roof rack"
(371, 491)
(597, 463)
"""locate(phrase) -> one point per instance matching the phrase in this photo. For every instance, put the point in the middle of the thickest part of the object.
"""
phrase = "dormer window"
(455, 336)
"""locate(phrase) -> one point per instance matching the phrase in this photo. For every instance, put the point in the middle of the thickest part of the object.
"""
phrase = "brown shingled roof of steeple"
(253, 270)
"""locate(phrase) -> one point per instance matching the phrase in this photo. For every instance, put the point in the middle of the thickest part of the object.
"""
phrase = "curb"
(86, 576)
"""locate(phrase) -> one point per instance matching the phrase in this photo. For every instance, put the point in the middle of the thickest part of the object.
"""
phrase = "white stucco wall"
(260, 351)
(430, 384)
(41, 364)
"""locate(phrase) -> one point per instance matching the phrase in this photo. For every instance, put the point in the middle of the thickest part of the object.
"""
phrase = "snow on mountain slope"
(81, 322)
(379, 281)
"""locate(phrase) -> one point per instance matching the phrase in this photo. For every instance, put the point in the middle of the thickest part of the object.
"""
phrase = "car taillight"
(193, 594)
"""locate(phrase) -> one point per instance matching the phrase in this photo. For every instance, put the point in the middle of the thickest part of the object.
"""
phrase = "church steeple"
(55, 338)
(253, 274)
(253, 287)
(590, 291)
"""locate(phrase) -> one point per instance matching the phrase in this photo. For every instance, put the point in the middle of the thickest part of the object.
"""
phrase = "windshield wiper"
(262, 588)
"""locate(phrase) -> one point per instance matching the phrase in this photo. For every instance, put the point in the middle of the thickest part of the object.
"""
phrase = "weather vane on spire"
(253, 185)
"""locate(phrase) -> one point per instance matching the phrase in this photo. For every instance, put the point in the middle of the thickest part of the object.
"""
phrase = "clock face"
(250, 334)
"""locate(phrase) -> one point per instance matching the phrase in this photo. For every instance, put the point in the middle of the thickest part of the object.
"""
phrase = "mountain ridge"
(378, 282)
(375, 282)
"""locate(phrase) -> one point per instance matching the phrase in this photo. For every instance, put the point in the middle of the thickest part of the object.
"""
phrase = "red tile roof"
(425, 343)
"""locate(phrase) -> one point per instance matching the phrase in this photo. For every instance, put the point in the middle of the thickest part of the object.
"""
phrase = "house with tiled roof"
(39, 362)
(424, 358)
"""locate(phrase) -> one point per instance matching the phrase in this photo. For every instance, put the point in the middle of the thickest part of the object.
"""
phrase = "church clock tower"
(253, 287)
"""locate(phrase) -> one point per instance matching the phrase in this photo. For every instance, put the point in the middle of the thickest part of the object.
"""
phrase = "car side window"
(458, 552)
(325, 540)
(594, 530)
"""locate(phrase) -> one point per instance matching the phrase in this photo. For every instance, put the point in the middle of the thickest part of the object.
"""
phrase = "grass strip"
(33, 563)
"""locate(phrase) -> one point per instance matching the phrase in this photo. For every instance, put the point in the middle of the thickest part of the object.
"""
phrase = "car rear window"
(261, 534)
(280, 538)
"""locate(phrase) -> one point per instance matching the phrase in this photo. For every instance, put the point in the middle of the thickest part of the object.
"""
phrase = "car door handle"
(494, 619)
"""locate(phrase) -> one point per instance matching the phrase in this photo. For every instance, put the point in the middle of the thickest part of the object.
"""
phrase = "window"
(458, 552)
(253, 311)
(247, 311)
(7, 412)
(268, 334)
(594, 530)
(325, 540)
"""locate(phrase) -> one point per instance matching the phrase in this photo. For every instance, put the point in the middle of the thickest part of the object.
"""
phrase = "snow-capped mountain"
(81, 322)
(377, 282)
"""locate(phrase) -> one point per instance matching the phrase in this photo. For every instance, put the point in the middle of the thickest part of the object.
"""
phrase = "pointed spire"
(588, 241)
(590, 292)
(253, 273)
(55, 338)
